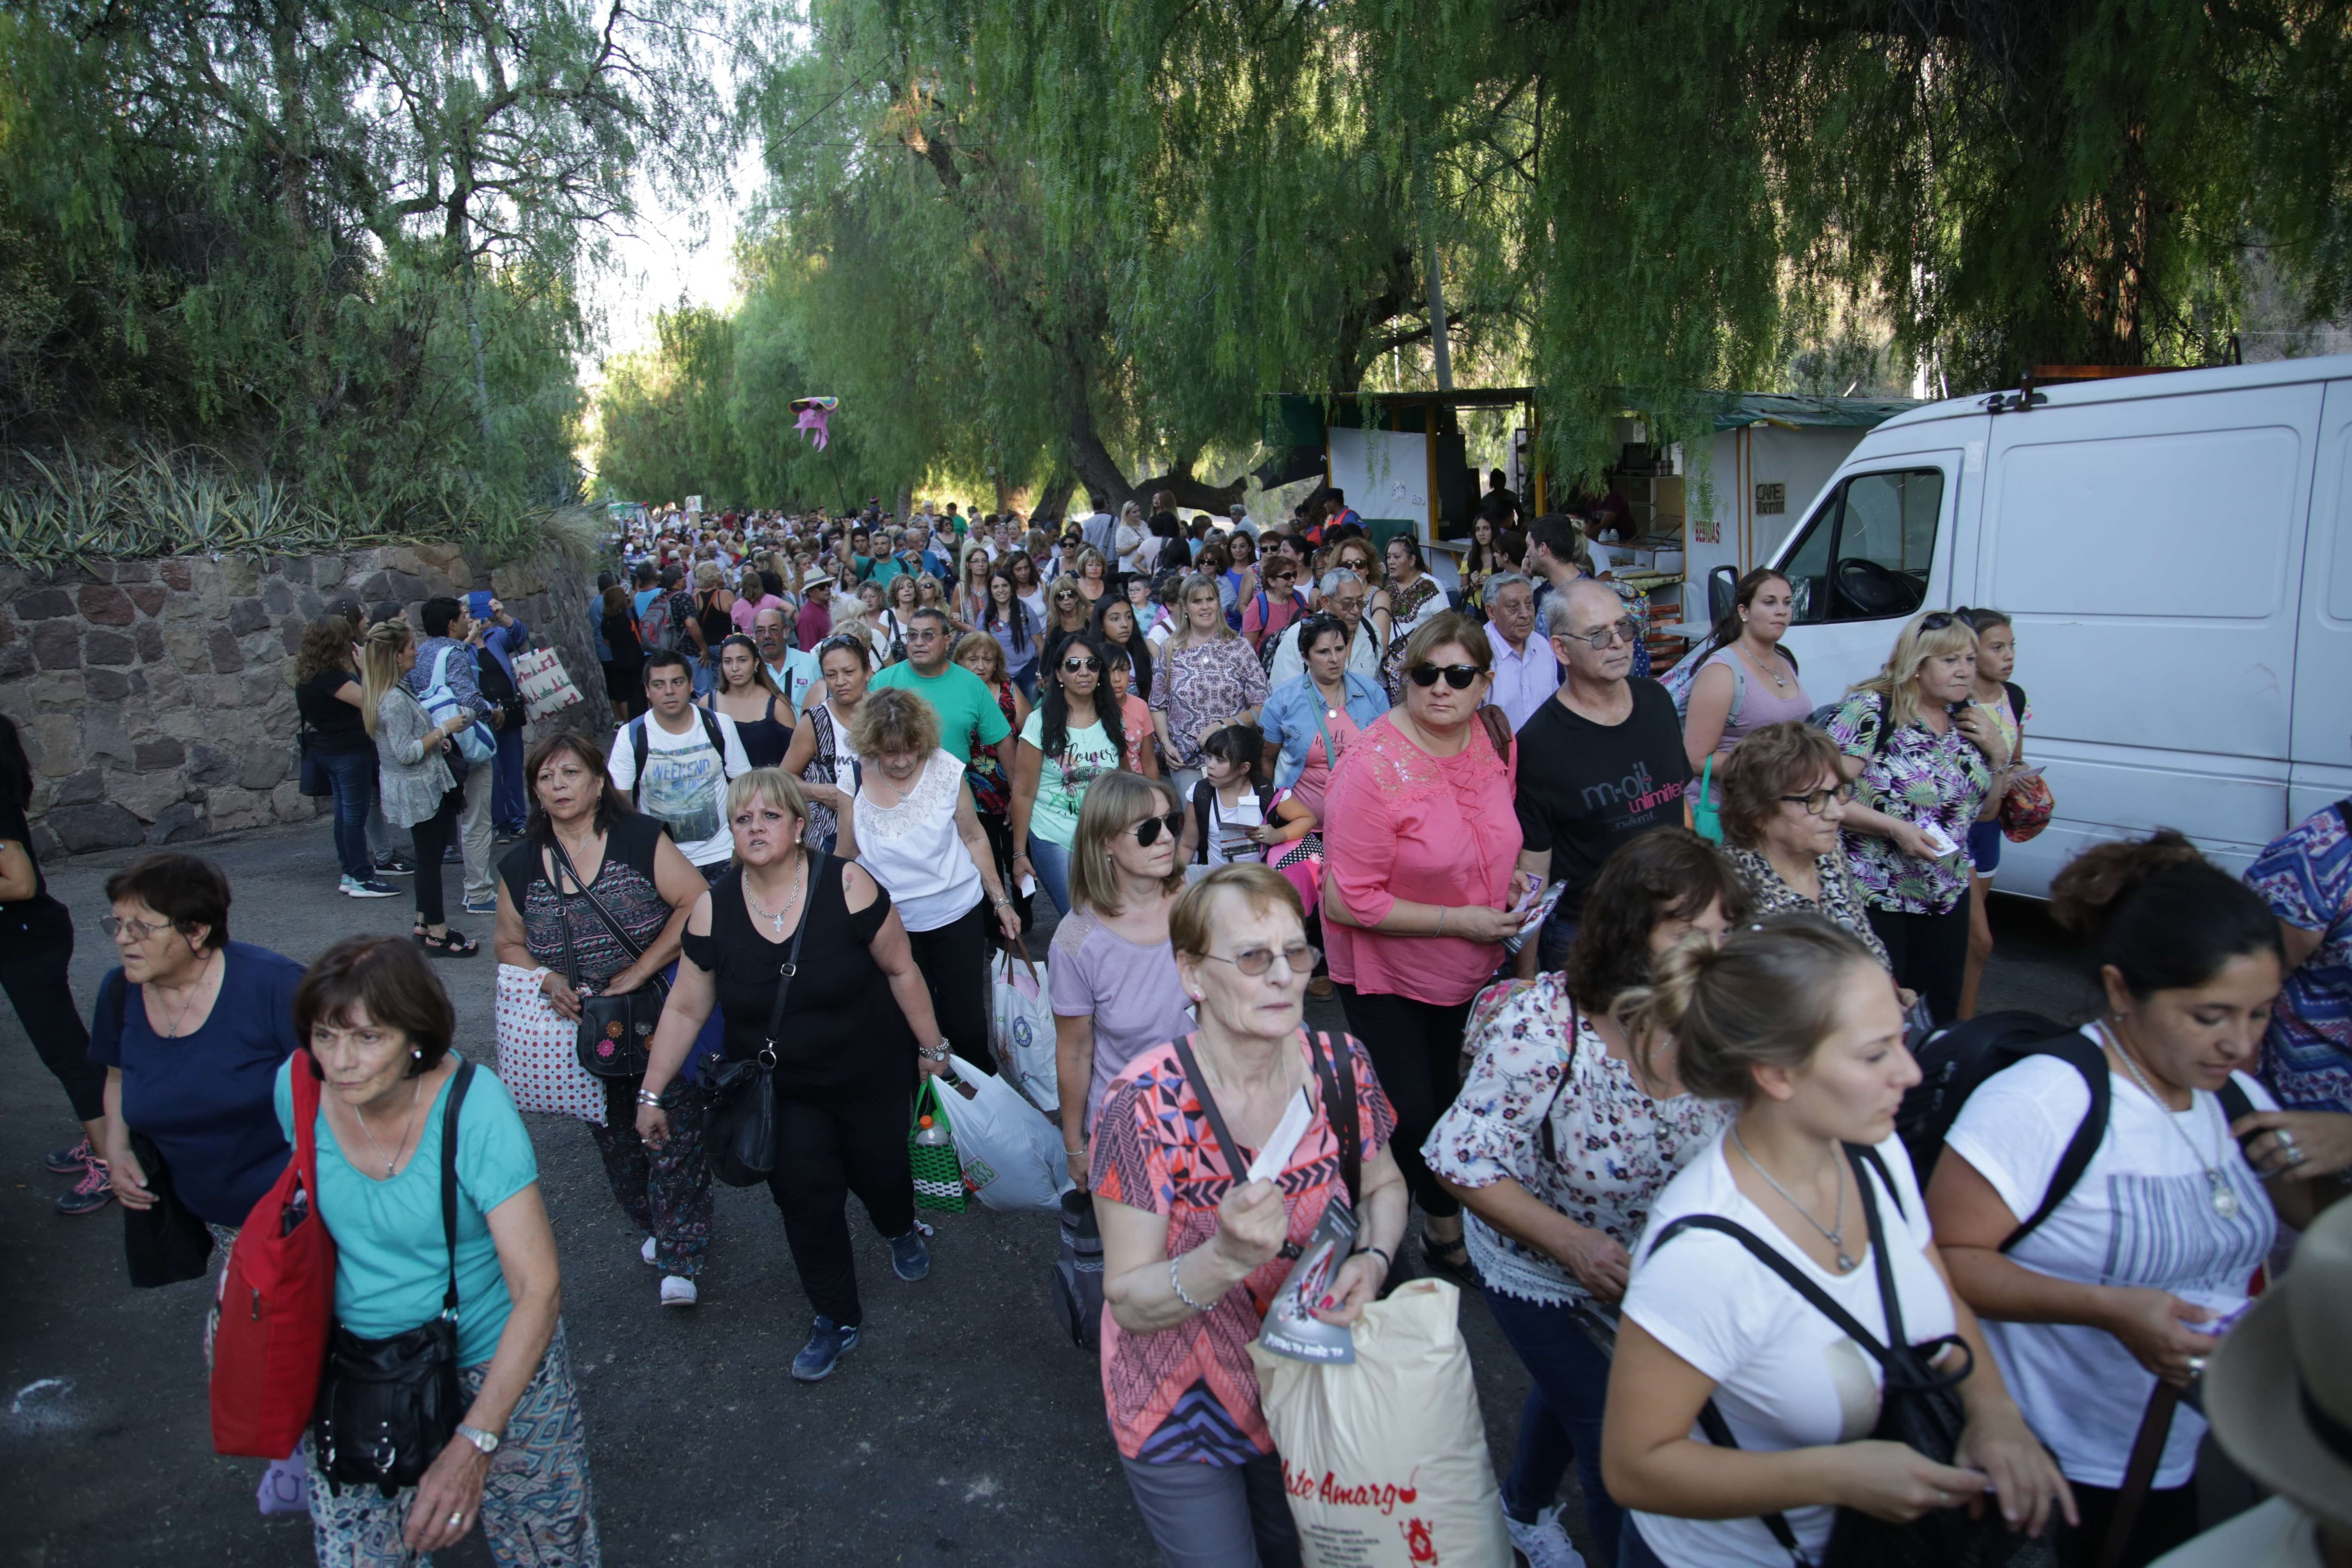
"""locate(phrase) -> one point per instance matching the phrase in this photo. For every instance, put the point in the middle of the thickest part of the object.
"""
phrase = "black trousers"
(1931, 954)
(431, 839)
(2167, 1519)
(1416, 1051)
(35, 979)
(829, 1147)
(954, 962)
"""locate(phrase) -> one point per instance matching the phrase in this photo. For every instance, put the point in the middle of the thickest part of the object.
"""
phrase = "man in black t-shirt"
(1601, 762)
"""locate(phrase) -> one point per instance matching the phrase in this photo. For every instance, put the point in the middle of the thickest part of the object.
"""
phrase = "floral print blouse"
(1919, 777)
(1840, 900)
(1611, 1150)
(1206, 681)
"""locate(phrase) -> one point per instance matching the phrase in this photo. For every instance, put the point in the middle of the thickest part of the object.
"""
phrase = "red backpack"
(277, 1301)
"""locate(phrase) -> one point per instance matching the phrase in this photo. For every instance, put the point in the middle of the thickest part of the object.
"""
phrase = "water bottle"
(930, 1132)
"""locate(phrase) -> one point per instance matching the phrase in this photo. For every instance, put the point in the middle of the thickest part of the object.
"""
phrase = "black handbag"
(1917, 1406)
(387, 1407)
(616, 1033)
(740, 1137)
(167, 1243)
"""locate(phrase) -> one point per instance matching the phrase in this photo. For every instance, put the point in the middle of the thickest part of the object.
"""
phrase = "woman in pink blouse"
(1418, 891)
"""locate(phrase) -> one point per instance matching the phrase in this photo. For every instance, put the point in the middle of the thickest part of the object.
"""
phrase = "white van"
(2177, 552)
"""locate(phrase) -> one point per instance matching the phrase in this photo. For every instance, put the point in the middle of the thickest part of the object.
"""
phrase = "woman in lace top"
(1784, 801)
(1563, 1133)
(1418, 889)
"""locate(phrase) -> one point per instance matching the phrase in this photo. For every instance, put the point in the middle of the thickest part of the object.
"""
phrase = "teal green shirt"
(883, 569)
(968, 716)
(391, 1265)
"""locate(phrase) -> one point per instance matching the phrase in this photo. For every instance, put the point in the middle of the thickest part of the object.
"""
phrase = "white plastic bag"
(1012, 1157)
(1021, 1028)
(539, 1052)
(1385, 1461)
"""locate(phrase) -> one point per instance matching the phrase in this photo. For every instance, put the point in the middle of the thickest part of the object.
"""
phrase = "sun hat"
(816, 576)
(2278, 1390)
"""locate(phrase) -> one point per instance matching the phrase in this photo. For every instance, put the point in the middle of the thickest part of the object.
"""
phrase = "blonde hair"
(1078, 562)
(890, 720)
(981, 642)
(1184, 634)
(380, 666)
(1114, 803)
(707, 575)
(1767, 997)
(770, 786)
(1192, 924)
(1896, 682)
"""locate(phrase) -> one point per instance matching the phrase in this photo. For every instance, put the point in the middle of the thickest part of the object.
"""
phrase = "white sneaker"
(677, 1290)
(646, 1252)
(1545, 1544)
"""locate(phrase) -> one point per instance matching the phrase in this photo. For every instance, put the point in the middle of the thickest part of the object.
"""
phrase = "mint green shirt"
(391, 1263)
(1062, 781)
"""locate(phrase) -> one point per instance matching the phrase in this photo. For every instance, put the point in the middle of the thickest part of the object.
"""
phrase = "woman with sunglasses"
(1067, 614)
(1112, 979)
(1785, 799)
(1930, 765)
(820, 756)
(1070, 740)
(1420, 842)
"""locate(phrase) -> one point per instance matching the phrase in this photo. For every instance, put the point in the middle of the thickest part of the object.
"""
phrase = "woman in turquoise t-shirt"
(1070, 740)
(379, 1025)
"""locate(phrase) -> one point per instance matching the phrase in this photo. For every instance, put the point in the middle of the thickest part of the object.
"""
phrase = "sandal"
(1450, 1260)
(452, 943)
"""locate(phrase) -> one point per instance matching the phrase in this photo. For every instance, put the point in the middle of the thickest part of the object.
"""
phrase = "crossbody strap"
(1217, 1128)
(790, 966)
(449, 1181)
(1337, 1070)
(563, 865)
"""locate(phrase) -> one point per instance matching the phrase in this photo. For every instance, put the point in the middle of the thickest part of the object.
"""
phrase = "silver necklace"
(1778, 680)
(2224, 1197)
(392, 1159)
(1846, 1261)
(776, 921)
(188, 1000)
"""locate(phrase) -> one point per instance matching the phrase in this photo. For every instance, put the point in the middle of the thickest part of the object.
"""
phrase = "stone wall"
(155, 698)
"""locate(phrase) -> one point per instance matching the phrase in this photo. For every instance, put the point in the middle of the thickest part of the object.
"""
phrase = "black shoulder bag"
(165, 1243)
(387, 1407)
(740, 1138)
(1917, 1406)
(616, 1033)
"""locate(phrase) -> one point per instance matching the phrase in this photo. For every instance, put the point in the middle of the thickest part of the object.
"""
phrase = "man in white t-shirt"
(688, 755)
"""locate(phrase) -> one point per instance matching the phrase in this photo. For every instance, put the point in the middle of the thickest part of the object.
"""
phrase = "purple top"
(1756, 703)
(1130, 992)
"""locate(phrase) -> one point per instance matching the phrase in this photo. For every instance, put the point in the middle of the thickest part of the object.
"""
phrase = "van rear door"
(2150, 550)
(2321, 743)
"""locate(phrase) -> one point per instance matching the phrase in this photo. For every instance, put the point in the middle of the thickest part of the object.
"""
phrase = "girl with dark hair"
(37, 941)
(591, 881)
(1566, 1128)
(1072, 737)
(1016, 629)
(1745, 681)
(749, 694)
(624, 676)
(2139, 1268)
(1118, 625)
(1794, 1029)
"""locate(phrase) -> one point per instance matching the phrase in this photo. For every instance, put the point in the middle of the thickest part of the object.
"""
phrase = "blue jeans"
(510, 804)
(1560, 1423)
(354, 778)
(1053, 867)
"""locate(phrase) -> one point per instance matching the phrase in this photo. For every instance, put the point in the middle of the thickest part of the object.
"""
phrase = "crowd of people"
(1632, 975)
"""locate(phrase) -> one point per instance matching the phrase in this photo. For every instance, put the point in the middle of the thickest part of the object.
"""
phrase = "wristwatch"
(488, 1442)
(938, 1053)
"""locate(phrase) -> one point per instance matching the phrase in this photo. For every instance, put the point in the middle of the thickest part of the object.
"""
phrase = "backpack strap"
(2016, 701)
(637, 746)
(2235, 1102)
(716, 736)
(2090, 1062)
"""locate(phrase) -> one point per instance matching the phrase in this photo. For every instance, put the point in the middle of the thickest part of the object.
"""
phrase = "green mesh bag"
(939, 1174)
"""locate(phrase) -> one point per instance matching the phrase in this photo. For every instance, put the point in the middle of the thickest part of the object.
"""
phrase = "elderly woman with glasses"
(1785, 799)
(1418, 891)
(1925, 778)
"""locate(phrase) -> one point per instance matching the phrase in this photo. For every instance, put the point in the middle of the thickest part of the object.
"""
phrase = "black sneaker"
(828, 1342)
(394, 865)
(91, 1193)
(70, 1161)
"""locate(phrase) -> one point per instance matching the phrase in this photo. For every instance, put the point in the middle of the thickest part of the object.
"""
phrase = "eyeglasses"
(1816, 802)
(1629, 629)
(1147, 832)
(1076, 665)
(1457, 675)
(1297, 958)
(141, 930)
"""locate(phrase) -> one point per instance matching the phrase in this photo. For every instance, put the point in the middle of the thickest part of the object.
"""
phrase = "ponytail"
(2159, 913)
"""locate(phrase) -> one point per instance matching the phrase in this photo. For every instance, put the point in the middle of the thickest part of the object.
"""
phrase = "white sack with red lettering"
(1385, 1461)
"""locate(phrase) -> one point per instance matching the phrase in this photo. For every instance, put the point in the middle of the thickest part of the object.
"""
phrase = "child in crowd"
(1134, 714)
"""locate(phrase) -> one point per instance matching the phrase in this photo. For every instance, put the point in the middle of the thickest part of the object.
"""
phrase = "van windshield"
(1866, 550)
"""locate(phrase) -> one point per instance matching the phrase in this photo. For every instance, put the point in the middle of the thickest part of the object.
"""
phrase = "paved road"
(963, 1428)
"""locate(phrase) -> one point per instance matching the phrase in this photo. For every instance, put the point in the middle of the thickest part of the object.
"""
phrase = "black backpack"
(1954, 1061)
(639, 745)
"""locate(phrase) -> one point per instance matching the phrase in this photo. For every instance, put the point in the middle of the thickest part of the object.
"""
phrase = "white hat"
(2279, 1389)
(816, 576)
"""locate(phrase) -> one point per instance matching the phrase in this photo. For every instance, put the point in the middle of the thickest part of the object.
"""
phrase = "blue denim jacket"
(1287, 720)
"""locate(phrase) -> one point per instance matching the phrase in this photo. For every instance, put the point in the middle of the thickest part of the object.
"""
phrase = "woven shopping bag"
(930, 1150)
(538, 1051)
(546, 689)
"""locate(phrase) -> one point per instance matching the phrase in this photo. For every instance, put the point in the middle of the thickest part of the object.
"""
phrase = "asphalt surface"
(963, 1428)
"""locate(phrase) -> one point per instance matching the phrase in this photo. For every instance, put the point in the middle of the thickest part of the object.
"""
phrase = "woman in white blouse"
(1565, 1129)
(915, 831)
(1793, 1022)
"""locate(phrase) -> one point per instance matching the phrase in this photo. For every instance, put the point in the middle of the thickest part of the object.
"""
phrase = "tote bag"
(539, 1054)
(546, 689)
(1021, 1027)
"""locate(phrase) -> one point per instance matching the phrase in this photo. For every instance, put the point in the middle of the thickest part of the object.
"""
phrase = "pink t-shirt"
(1135, 729)
(747, 611)
(1315, 777)
(1428, 830)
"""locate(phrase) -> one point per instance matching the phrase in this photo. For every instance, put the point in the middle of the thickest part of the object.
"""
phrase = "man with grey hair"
(1525, 671)
(1344, 594)
(1601, 761)
(795, 670)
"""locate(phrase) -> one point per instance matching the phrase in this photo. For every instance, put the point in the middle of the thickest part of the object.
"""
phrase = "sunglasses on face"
(1074, 665)
(1629, 629)
(1297, 958)
(1147, 832)
(1457, 675)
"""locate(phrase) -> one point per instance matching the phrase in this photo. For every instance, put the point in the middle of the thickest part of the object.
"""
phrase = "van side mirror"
(1722, 584)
